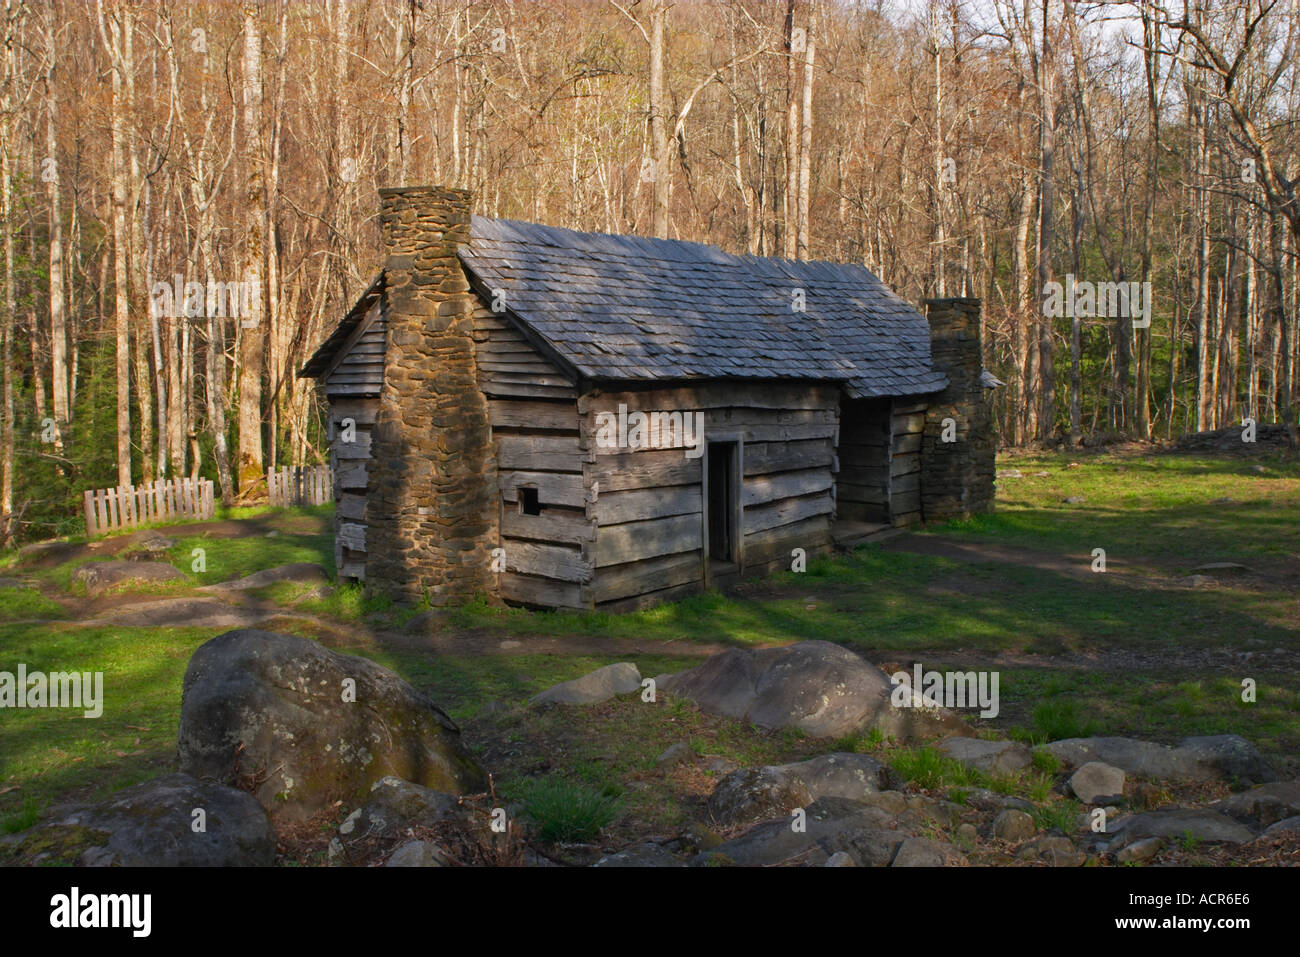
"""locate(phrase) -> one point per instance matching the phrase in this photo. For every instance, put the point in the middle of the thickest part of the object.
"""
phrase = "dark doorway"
(723, 492)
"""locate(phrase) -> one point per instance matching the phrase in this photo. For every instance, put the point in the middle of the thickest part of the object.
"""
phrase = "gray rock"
(923, 852)
(152, 825)
(418, 854)
(1223, 757)
(992, 757)
(968, 833)
(893, 803)
(1053, 850)
(303, 726)
(839, 859)
(45, 554)
(982, 799)
(756, 794)
(300, 573)
(1266, 804)
(679, 753)
(394, 805)
(99, 577)
(600, 685)
(752, 794)
(1290, 825)
(646, 854)
(822, 688)
(833, 824)
(148, 547)
(1096, 782)
(1013, 826)
(1140, 851)
(1212, 827)
(718, 765)
(206, 612)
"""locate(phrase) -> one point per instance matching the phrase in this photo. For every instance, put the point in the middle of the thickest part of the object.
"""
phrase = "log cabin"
(578, 420)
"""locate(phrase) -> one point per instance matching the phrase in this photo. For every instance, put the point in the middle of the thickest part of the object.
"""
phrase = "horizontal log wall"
(533, 409)
(647, 503)
(865, 450)
(350, 463)
(905, 463)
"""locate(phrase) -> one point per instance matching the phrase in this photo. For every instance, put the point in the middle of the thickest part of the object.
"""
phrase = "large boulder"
(594, 687)
(301, 726)
(816, 686)
(99, 577)
(156, 824)
(1221, 757)
(753, 794)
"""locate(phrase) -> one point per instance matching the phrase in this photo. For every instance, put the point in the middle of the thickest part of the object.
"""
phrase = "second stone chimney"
(958, 446)
(432, 479)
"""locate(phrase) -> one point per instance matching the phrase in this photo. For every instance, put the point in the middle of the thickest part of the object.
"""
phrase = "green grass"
(562, 810)
(1157, 506)
(230, 558)
(1062, 815)
(20, 603)
(54, 754)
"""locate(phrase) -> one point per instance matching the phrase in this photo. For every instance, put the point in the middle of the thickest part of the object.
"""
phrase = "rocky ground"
(289, 751)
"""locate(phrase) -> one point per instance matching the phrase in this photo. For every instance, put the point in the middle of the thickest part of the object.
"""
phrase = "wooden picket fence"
(165, 500)
(300, 485)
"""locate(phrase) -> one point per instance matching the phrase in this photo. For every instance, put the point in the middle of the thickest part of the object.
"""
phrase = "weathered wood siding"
(352, 387)
(908, 419)
(535, 429)
(350, 462)
(359, 370)
(648, 504)
(865, 449)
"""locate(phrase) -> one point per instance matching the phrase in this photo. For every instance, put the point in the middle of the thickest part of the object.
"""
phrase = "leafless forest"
(188, 194)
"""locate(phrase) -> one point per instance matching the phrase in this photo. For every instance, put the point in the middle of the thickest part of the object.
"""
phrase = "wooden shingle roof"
(628, 308)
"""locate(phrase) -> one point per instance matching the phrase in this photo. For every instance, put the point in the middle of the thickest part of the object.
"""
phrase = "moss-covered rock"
(172, 821)
(300, 726)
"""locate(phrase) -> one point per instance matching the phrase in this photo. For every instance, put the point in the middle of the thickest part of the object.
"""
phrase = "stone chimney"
(432, 479)
(957, 475)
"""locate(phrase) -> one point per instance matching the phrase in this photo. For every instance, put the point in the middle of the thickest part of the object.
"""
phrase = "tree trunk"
(121, 251)
(790, 226)
(253, 325)
(58, 315)
(658, 119)
(805, 146)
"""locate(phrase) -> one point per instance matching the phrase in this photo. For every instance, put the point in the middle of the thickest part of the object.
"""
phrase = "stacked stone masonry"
(957, 476)
(432, 482)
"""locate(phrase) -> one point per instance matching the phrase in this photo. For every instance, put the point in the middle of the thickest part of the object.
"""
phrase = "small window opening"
(529, 504)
